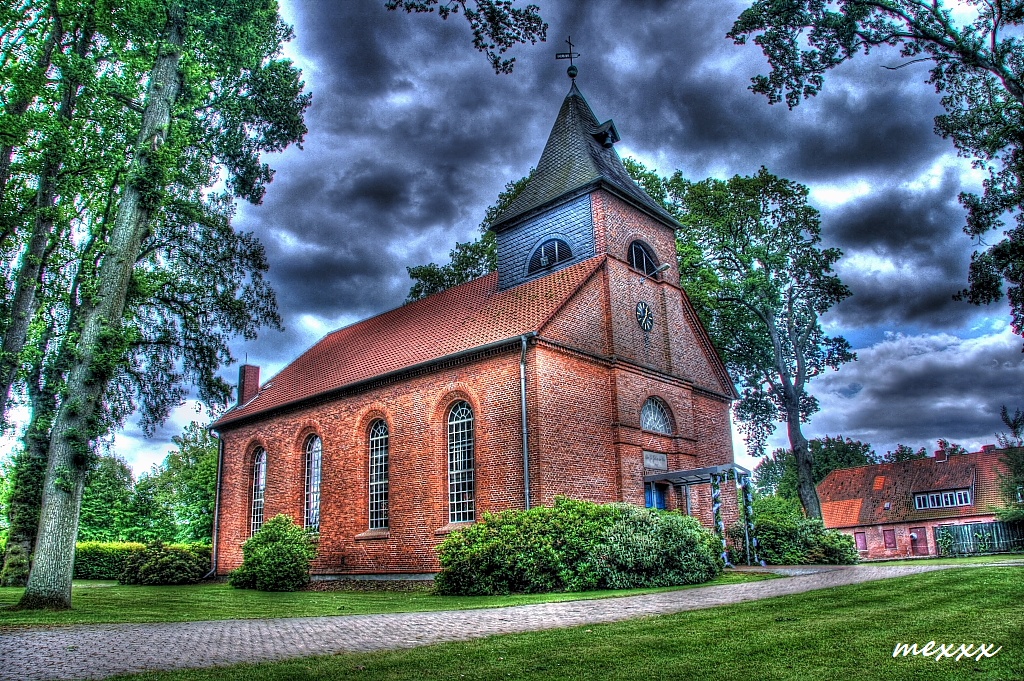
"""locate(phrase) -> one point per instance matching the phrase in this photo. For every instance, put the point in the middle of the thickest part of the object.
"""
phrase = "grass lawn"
(846, 633)
(96, 602)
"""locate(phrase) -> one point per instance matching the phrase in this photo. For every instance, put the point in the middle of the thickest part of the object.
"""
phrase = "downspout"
(522, 404)
(216, 506)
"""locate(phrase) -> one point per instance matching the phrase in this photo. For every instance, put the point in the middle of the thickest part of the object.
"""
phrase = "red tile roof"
(857, 496)
(462, 318)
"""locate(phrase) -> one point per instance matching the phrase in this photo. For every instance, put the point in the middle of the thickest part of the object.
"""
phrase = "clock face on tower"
(644, 316)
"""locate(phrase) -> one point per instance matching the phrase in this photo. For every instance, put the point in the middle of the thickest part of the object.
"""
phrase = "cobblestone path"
(99, 650)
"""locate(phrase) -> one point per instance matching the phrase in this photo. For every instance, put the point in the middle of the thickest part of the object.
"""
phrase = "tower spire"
(570, 55)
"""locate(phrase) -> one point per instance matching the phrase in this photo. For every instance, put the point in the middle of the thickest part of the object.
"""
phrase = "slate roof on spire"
(578, 155)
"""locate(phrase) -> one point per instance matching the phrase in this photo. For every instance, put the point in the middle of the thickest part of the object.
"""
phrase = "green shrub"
(103, 560)
(573, 546)
(543, 549)
(786, 537)
(160, 564)
(646, 548)
(15, 570)
(276, 558)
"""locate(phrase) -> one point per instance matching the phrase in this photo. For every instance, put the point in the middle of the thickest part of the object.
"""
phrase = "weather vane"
(570, 55)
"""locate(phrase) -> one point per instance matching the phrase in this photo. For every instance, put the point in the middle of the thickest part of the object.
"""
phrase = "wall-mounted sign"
(656, 461)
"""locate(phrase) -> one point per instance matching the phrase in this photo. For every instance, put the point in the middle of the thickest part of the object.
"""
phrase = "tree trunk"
(29, 472)
(25, 302)
(804, 464)
(101, 346)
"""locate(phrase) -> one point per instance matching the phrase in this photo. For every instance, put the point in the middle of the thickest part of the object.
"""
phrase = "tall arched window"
(641, 258)
(654, 417)
(460, 464)
(550, 253)
(259, 486)
(379, 475)
(314, 467)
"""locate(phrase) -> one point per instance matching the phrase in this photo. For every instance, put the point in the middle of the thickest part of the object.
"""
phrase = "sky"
(412, 135)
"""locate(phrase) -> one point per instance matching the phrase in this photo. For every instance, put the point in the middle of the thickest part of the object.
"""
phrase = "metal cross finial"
(570, 55)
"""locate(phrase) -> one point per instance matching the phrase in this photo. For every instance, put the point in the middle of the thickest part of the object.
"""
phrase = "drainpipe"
(522, 404)
(216, 506)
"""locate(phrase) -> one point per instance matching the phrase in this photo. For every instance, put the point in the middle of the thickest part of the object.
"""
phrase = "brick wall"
(416, 413)
(875, 537)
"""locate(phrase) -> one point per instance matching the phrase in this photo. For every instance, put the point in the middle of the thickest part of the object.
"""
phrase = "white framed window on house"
(379, 452)
(960, 497)
(259, 488)
(314, 470)
(461, 506)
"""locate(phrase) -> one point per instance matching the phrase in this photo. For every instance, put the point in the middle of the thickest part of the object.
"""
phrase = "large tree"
(750, 260)
(978, 68)
(162, 280)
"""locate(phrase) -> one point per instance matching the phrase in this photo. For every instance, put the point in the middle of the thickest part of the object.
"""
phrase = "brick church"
(578, 368)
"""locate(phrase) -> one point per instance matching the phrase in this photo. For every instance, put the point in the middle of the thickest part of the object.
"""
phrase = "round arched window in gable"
(550, 253)
(654, 417)
(641, 258)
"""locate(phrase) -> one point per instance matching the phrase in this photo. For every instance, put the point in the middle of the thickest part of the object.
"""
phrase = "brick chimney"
(988, 448)
(248, 383)
(940, 455)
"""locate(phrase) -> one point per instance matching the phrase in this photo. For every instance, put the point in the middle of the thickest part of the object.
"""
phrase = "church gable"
(581, 322)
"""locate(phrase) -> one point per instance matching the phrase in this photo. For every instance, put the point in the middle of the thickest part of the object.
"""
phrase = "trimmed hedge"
(159, 564)
(103, 560)
(786, 537)
(276, 558)
(575, 546)
(110, 560)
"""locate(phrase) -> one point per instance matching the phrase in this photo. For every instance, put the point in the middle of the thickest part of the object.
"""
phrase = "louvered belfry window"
(461, 507)
(550, 253)
(379, 475)
(259, 486)
(314, 470)
(641, 258)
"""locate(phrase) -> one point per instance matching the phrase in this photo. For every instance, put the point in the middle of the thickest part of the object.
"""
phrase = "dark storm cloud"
(412, 136)
(915, 389)
(905, 256)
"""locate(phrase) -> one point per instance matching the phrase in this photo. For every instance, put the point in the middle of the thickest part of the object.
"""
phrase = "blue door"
(655, 496)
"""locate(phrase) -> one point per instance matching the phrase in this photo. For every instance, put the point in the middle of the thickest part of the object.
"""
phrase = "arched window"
(654, 417)
(379, 475)
(550, 253)
(641, 258)
(460, 464)
(259, 486)
(314, 467)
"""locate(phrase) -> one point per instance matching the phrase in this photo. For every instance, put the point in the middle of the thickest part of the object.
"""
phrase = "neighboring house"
(892, 509)
(577, 369)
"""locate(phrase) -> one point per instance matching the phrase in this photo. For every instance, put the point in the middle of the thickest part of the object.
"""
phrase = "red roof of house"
(461, 318)
(857, 496)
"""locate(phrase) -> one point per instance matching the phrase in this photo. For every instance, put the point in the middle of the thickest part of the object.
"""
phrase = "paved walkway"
(100, 650)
